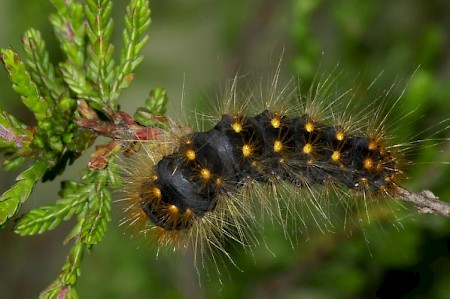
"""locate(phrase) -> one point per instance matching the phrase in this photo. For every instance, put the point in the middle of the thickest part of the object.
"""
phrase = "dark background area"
(195, 47)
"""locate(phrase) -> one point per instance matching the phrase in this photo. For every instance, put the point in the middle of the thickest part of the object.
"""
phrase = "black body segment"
(263, 148)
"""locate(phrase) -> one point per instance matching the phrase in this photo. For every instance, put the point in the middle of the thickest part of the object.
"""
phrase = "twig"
(425, 201)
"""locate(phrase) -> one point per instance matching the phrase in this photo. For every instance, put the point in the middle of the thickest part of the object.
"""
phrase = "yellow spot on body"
(205, 174)
(156, 192)
(364, 181)
(275, 122)
(190, 154)
(153, 178)
(219, 182)
(372, 145)
(336, 156)
(188, 212)
(387, 179)
(308, 148)
(173, 209)
(368, 163)
(246, 150)
(277, 146)
(237, 127)
(309, 126)
(340, 136)
(310, 162)
(383, 187)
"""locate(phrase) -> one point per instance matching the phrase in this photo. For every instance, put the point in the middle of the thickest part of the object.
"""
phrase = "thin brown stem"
(425, 201)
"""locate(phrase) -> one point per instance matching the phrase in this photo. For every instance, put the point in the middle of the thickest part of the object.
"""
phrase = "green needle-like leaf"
(48, 217)
(100, 68)
(42, 70)
(11, 200)
(137, 21)
(96, 223)
(156, 104)
(71, 269)
(23, 84)
(75, 78)
(63, 286)
(68, 22)
(57, 290)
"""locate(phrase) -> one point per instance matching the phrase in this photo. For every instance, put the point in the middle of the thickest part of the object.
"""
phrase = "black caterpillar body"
(268, 147)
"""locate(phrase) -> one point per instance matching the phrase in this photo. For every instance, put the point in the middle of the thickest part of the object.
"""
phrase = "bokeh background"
(195, 47)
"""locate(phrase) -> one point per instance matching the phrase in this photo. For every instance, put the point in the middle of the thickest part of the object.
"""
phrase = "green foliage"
(14, 136)
(68, 23)
(55, 94)
(100, 62)
(24, 86)
(137, 21)
(90, 201)
(42, 71)
(11, 200)
(63, 287)
(154, 105)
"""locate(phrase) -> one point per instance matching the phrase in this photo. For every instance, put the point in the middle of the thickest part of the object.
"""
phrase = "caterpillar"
(199, 187)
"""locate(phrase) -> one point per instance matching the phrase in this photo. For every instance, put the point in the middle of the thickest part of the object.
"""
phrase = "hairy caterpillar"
(291, 156)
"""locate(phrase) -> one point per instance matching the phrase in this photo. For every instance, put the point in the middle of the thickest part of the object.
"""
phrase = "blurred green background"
(195, 47)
